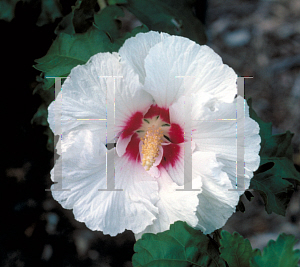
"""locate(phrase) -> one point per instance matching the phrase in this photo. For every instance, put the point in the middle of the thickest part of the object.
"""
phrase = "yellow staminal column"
(150, 147)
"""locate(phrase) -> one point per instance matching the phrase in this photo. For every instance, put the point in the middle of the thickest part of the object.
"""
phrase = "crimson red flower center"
(152, 133)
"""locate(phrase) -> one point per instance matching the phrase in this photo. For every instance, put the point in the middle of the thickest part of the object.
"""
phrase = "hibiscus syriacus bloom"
(148, 82)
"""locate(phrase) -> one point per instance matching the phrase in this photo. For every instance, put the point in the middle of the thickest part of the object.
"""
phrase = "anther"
(150, 147)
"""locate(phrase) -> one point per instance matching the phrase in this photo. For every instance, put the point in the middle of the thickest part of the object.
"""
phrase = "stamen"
(151, 142)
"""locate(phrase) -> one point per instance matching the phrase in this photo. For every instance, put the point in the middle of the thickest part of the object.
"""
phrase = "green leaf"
(278, 253)
(83, 15)
(51, 10)
(68, 51)
(115, 2)
(236, 250)
(66, 24)
(181, 246)
(275, 191)
(276, 166)
(7, 9)
(173, 17)
(79, 20)
(40, 117)
(106, 20)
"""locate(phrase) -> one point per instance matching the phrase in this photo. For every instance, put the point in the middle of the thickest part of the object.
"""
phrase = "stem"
(217, 236)
(213, 242)
(102, 4)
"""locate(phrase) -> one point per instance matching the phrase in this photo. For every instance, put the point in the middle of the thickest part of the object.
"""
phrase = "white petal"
(84, 172)
(122, 144)
(83, 95)
(135, 49)
(175, 205)
(177, 115)
(216, 202)
(211, 76)
(214, 134)
(176, 172)
(176, 111)
(154, 172)
(95, 88)
(81, 152)
(178, 66)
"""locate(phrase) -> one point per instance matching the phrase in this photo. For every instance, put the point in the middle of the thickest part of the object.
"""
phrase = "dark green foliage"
(83, 15)
(181, 246)
(7, 9)
(85, 31)
(68, 51)
(275, 167)
(106, 20)
(278, 253)
(71, 49)
(80, 19)
(115, 2)
(236, 250)
(174, 17)
(50, 10)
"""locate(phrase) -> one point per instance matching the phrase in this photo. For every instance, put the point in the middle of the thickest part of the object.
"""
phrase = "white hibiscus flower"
(159, 71)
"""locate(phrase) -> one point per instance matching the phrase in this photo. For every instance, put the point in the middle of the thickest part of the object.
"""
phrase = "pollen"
(150, 147)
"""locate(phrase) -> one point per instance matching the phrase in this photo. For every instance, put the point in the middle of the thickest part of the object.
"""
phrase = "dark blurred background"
(262, 39)
(256, 38)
